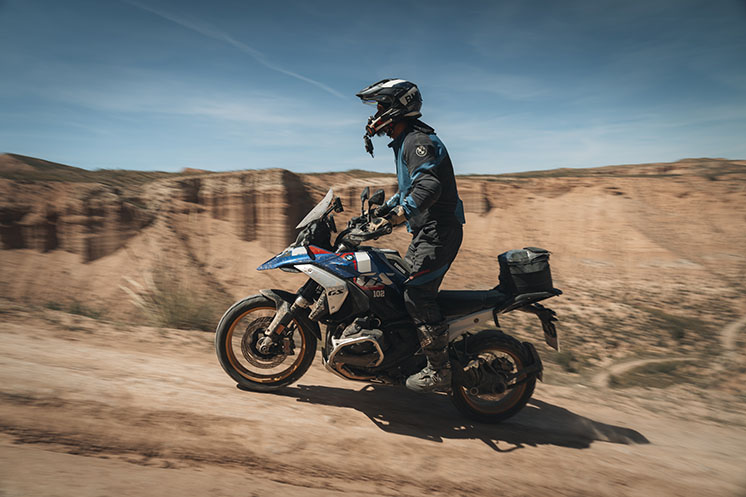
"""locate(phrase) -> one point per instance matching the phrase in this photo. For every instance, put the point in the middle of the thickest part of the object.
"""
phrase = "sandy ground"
(95, 409)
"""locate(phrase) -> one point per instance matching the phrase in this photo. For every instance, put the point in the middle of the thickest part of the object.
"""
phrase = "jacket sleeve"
(422, 160)
(393, 201)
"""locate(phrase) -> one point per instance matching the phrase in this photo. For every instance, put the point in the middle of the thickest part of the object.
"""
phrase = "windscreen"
(317, 211)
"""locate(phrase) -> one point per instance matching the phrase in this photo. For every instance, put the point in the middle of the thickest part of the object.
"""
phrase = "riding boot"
(436, 376)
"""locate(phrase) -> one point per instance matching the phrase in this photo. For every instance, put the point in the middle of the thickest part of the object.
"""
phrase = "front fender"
(282, 296)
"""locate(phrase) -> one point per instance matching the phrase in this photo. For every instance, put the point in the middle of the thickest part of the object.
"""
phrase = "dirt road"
(91, 409)
(728, 337)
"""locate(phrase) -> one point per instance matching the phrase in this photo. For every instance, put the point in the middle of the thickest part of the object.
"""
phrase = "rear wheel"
(236, 339)
(492, 385)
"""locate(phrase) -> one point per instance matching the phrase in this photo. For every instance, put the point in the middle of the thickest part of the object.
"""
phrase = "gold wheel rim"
(240, 369)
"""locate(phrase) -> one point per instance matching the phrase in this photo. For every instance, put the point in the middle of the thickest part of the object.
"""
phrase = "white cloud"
(216, 34)
(141, 91)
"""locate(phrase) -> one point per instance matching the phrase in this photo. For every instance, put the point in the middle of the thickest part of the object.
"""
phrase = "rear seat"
(461, 302)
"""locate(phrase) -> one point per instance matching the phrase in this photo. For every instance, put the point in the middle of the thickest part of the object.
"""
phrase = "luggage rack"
(525, 299)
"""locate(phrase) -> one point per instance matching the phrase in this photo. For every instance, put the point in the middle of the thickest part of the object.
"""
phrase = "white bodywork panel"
(335, 287)
(470, 322)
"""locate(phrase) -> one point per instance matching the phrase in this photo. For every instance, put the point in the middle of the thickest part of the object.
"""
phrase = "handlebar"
(361, 226)
(357, 231)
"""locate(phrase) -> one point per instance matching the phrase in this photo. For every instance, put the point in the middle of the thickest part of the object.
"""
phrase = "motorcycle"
(269, 340)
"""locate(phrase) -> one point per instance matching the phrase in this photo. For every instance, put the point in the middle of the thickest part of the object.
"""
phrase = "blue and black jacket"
(427, 186)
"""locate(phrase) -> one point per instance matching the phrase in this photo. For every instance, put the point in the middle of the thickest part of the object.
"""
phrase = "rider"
(428, 202)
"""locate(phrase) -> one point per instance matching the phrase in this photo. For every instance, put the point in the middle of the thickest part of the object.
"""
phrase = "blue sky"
(234, 84)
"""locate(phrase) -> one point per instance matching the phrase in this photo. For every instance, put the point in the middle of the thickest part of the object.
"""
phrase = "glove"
(396, 216)
(381, 211)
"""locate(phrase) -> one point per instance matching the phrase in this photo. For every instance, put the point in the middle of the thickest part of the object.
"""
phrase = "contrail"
(226, 38)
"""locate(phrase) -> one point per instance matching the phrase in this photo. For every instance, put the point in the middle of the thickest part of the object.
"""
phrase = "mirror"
(332, 224)
(377, 198)
(363, 197)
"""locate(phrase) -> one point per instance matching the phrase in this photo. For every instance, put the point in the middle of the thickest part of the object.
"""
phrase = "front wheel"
(236, 343)
(494, 382)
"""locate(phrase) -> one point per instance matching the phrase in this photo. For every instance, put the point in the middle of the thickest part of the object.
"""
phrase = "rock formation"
(628, 241)
(91, 220)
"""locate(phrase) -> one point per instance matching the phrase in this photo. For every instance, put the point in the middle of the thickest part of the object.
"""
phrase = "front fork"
(284, 315)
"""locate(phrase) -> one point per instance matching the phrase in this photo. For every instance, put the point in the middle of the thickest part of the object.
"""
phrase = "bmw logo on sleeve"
(421, 151)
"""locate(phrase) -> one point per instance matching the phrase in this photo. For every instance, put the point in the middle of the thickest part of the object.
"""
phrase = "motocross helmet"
(396, 99)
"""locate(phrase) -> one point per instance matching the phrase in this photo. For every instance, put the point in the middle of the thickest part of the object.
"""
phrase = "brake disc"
(254, 331)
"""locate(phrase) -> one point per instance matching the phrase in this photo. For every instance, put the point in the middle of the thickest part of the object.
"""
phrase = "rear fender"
(535, 359)
(280, 297)
(547, 317)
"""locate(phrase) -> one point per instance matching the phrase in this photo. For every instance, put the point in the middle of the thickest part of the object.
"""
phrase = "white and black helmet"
(397, 99)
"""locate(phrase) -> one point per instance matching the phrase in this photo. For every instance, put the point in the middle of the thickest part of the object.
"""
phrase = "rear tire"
(493, 408)
(235, 344)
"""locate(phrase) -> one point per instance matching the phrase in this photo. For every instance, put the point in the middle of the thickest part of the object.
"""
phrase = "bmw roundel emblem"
(350, 257)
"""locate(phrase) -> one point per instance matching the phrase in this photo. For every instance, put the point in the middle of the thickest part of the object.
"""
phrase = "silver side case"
(335, 287)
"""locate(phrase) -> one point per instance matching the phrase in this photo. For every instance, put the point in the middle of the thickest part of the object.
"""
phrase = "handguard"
(379, 226)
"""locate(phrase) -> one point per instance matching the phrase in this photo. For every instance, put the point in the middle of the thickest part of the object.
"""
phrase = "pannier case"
(525, 271)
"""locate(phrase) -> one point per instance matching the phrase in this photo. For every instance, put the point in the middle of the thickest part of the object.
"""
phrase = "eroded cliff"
(650, 257)
(90, 220)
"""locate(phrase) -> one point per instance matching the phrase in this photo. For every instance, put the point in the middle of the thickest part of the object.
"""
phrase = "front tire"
(235, 343)
(512, 356)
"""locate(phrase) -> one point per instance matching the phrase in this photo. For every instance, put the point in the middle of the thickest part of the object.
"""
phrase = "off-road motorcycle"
(269, 340)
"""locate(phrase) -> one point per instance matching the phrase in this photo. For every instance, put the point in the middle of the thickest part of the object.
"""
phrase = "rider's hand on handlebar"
(381, 211)
(396, 216)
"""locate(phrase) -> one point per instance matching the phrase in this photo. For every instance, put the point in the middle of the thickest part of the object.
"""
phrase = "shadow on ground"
(433, 417)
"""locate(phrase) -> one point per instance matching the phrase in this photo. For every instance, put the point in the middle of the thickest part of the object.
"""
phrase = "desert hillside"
(103, 395)
(651, 257)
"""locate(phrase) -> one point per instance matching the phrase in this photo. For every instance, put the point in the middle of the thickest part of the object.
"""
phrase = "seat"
(461, 302)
